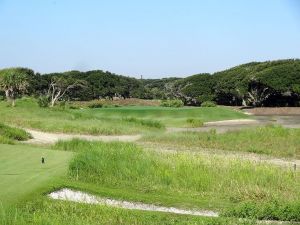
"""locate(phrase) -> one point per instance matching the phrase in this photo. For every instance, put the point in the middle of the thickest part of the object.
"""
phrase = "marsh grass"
(42, 212)
(270, 140)
(10, 134)
(221, 183)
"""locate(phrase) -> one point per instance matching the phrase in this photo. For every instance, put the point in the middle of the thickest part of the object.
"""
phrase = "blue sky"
(154, 38)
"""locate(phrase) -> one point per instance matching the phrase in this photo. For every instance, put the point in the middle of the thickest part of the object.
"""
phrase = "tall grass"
(47, 212)
(126, 166)
(147, 123)
(270, 140)
(10, 134)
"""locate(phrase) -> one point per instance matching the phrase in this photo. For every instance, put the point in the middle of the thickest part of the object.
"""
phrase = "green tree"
(14, 82)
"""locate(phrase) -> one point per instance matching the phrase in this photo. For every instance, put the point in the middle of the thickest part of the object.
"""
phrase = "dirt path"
(78, 196)
(221, 126)
(40, 137)
(236, 125)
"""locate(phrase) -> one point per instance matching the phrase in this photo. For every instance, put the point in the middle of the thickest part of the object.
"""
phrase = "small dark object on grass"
(43, 160)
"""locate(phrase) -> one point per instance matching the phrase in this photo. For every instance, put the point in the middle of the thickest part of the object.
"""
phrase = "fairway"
(170, 117)
(21, 171)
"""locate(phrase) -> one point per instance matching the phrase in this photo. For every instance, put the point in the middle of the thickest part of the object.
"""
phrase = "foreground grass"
(52, 213)
(180, 179)
(21, 171)
(270, 140)
(108, 121)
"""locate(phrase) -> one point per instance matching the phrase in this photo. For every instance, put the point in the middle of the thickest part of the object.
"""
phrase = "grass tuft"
(143, 122)
(9, 134)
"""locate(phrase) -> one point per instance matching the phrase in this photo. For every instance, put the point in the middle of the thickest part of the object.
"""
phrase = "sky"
(154, 38)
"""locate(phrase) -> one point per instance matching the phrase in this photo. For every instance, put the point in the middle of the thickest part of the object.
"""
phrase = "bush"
(95, 105)
(192, 122)
(43, 101)
(172, 103)
(208, 104)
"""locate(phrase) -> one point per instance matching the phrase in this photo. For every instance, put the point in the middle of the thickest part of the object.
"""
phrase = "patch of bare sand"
(39, 137)
(81, 197)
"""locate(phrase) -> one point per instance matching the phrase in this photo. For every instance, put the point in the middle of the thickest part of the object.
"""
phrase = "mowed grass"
(107, 121)
(125, 171)
(22, 174)
(270, 140)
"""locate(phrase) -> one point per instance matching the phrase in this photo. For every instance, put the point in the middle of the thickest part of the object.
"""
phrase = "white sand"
(78, 196)
(232, 122)
(40, 137)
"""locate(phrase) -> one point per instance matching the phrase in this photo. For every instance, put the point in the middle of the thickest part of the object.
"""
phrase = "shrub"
(43, 101)
(192, 122)
(172, 103)
(208, 104)
(95, 105)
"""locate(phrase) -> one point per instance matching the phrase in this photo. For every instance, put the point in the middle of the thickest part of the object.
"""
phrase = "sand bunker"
(40, 137)
(78, 196)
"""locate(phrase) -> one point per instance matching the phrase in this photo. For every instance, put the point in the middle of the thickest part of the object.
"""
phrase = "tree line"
(271, 83)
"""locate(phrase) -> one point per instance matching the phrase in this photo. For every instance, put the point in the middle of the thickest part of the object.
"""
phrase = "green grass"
(171, 117)
(109, 121)
(52, 213)
(21, 171)
(270, 140)
(125, 171)
(10, 134)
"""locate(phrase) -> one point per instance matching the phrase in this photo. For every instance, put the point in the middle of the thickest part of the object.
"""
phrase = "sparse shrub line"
(177, 103)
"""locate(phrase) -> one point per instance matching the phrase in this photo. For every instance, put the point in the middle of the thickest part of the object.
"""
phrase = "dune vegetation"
(269, 140)
(180, 179)
(107, 121)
